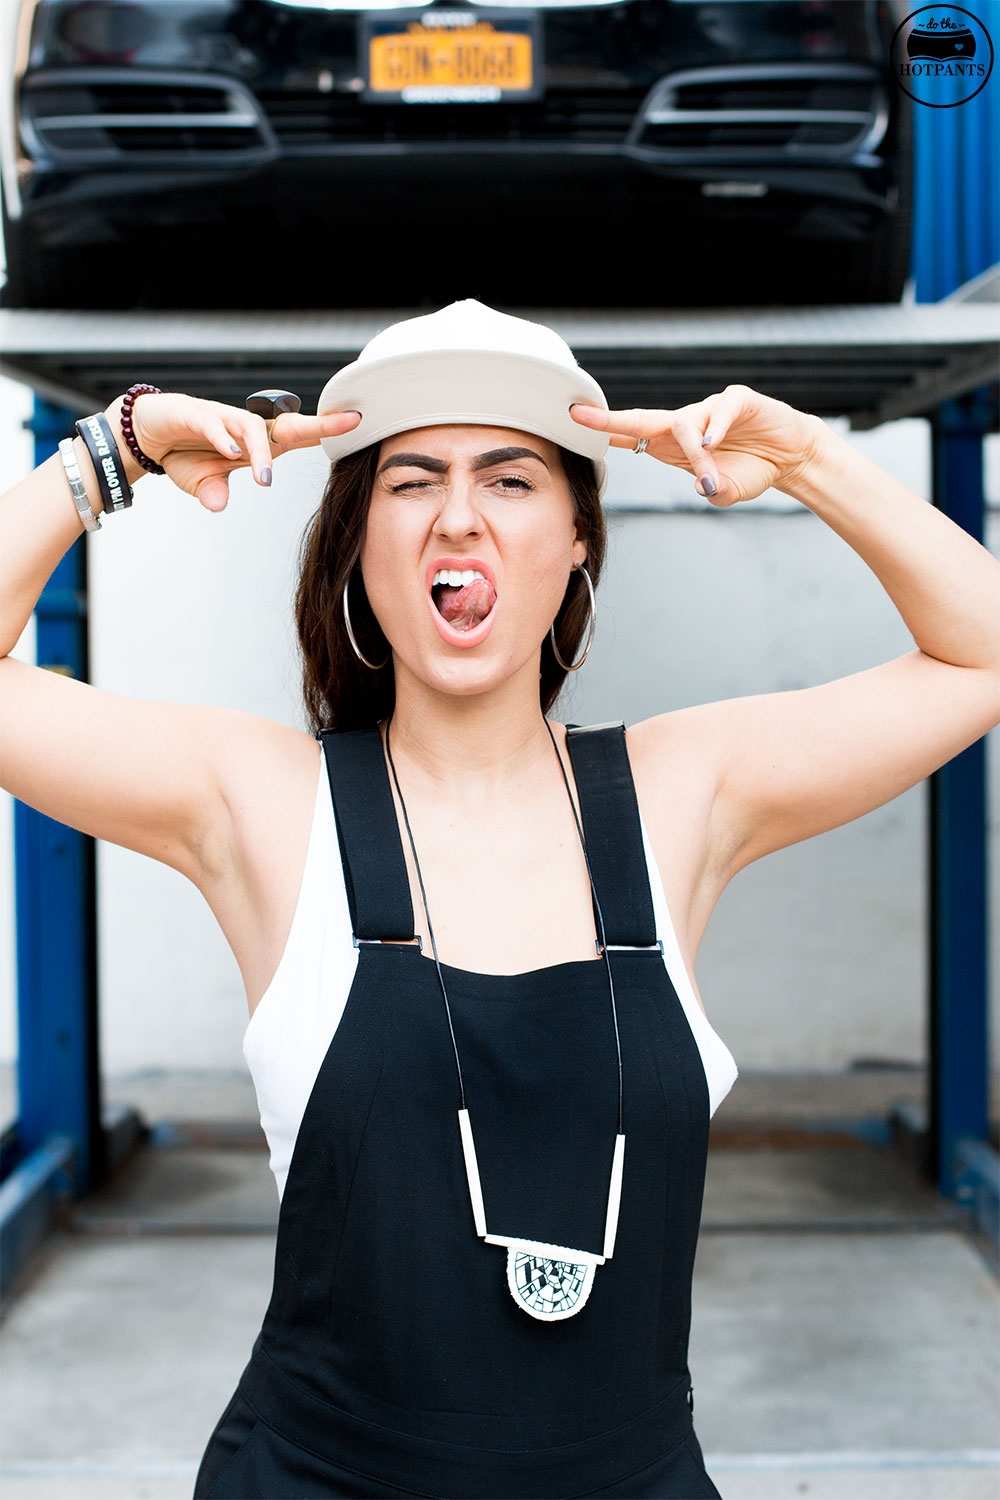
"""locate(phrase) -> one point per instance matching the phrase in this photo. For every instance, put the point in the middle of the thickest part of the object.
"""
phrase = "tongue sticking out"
(464, 608)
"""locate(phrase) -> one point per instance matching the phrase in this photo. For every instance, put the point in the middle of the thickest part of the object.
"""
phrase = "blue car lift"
(956, 152)
(58, 1139)
(61, 1143)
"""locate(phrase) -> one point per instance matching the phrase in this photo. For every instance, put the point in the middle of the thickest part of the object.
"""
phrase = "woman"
(467, 935)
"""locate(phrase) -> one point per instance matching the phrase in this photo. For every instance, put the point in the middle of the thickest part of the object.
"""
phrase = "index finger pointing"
(635, 423)
(294, 430)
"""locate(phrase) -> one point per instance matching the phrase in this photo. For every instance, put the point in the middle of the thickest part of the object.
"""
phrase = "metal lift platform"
(872, 364)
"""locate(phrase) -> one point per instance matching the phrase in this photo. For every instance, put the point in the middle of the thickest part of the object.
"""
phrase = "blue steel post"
(956, 198)
(58, 1076)
(959, 1091)
(956, 236)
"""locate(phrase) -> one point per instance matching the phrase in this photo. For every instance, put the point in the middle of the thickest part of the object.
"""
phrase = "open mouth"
(463, 598)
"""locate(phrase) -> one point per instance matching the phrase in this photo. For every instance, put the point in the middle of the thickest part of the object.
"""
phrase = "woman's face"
(468, 548)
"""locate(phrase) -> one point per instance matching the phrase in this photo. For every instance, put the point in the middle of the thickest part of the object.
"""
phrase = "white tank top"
(290, 1032)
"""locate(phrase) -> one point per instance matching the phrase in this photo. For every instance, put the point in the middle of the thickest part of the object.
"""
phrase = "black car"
(297, 153)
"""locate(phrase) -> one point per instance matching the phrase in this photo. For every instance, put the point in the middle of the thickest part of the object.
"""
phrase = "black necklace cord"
(430, 929)
(427, 915)
(600, 928)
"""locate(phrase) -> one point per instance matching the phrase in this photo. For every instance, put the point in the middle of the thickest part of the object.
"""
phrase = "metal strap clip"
(578, 729)
(387, 942)
(656, 947)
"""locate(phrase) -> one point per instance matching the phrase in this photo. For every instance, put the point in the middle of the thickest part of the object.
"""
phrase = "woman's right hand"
(200, 443)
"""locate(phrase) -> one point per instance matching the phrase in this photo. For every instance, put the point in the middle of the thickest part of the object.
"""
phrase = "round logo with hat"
(942, 56)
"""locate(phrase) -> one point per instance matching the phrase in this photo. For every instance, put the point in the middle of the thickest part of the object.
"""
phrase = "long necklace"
(549, 1282)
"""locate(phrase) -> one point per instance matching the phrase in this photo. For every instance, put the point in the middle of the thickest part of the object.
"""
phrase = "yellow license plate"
(475, 64)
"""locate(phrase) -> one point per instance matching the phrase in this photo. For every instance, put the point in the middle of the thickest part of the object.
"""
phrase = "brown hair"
(339, 691)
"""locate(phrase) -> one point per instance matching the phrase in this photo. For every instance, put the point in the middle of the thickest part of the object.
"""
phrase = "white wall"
(816, 956)
(188, 606)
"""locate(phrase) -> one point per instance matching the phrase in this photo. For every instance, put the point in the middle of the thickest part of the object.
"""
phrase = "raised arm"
(783, 766)
(146, 775)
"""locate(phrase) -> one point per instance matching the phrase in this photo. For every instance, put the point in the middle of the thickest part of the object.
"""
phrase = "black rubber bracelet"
(116, 492)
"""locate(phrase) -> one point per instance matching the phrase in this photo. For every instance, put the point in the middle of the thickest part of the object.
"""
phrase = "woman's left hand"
(737, 443)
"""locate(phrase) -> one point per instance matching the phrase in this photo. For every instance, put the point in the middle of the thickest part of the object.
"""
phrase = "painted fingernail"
(708, 440)
(265, 477)
(235, 448)
(708, 484)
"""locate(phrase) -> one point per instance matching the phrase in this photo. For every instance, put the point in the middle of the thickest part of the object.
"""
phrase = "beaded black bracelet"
(128, 401)
(116, 492)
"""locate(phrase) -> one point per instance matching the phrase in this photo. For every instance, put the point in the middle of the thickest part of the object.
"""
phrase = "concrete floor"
(844, 1343)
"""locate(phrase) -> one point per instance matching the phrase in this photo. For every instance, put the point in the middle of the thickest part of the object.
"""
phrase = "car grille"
(784, 109)
(70, 117)
(306, 120)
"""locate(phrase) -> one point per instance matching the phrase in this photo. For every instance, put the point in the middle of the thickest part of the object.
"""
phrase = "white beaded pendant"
(547, 1281)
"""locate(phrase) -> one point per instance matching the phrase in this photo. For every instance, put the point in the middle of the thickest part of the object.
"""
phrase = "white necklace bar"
(549, 1282)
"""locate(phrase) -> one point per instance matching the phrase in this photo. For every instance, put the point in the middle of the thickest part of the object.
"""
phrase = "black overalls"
(393, 1359)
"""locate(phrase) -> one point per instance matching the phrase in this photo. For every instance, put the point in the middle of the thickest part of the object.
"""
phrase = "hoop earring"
(578, 567)
(372, 667)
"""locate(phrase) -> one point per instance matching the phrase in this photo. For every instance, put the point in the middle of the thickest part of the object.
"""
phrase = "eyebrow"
(414, 461)
(505, 456)
(439, 466)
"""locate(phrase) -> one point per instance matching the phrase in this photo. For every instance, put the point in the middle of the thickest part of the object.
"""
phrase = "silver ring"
(641, 445)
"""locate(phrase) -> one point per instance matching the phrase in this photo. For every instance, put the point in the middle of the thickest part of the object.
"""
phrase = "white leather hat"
(466, 363)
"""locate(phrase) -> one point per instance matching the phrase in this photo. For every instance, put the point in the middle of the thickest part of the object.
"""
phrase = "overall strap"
(378, 890)
(613, 833)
